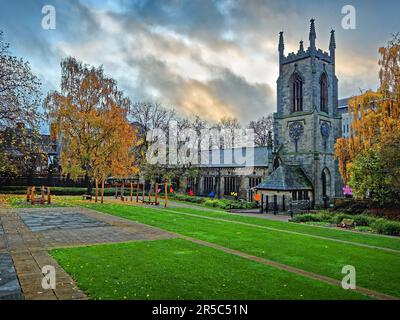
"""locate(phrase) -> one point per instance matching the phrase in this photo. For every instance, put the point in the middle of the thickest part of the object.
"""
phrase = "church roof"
(286, 178)
(235, 157)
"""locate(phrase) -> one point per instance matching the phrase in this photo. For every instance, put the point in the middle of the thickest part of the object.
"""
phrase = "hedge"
(378, 225)
(224, 204)
(62, 191)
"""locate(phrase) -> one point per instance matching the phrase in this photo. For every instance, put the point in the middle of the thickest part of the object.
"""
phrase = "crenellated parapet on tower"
(328, 57)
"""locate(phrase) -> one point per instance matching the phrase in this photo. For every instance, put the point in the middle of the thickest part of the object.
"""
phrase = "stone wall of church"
(283, 199)
(242, 177)
(310, 73)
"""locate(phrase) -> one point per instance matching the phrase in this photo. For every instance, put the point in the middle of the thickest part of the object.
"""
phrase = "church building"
(306, 126)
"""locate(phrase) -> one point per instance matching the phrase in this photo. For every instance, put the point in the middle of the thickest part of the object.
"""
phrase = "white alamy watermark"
(349, 20)
(205, 147)
(49, 277)
(49, 21)
(349, 280)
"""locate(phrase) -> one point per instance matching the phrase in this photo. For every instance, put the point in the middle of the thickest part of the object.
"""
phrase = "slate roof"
(234, 157)
(343, 105)
(286, 178)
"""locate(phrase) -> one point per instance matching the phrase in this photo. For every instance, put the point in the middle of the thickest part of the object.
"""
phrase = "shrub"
(182, 197)
(338, 218)
(363, 220)
(366, 223)
(211, 203)
(307, 217)
(387, 227)
(364, 229)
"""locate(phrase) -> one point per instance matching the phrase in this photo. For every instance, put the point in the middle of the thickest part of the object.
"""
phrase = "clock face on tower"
(296, 129)
(325, 130)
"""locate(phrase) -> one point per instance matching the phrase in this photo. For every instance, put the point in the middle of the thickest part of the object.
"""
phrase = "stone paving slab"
(9, 285)
(28, 234)
(38, 221)
(2, 239)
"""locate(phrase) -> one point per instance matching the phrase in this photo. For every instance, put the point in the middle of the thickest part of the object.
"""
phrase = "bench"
(45, 195)
(347, 223)
(153, 203)
(87, 197)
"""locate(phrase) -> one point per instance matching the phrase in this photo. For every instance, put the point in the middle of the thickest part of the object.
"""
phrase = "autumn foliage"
(89, 116)
(376, 125)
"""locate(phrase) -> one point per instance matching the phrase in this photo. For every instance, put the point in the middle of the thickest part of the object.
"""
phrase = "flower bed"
(224, 204)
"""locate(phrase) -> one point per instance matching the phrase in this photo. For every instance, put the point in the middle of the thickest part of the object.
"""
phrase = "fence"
(51, 181)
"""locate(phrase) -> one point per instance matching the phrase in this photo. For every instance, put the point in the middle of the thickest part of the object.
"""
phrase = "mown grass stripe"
(285, 231)
(368, 292)
(376, 269)
(371, 293)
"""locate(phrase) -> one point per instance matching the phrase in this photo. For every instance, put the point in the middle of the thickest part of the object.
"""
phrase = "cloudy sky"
(211, 58)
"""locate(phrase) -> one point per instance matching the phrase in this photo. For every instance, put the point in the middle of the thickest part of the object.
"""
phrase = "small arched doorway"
(326, 186)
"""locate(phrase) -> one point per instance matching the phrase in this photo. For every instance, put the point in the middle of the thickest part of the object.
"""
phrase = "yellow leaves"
(376, 115)
(97, 138)
(342, 153)
(375, 118)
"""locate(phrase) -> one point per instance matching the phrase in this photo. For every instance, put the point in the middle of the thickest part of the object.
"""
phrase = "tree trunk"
(102, 190)
(88, 184)
(97, 189)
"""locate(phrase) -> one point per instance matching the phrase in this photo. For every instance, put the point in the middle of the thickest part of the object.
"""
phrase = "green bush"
(364, 229)
(387, 227)
(363, 222)
(223, 203)
(60, 191)
(211, 203)
(308, 217)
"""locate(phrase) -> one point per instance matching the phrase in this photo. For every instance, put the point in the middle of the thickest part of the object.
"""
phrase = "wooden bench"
(44, 198)
(153, 203)
(347, 223)
(87, 197)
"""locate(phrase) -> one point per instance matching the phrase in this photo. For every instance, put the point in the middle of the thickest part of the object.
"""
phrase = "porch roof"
(286, 178)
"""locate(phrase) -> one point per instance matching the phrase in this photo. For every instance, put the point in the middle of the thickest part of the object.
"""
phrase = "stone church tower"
(307, 124)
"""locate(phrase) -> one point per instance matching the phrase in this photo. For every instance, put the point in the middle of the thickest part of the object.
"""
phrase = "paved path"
(242, 212)
(26, 236)
(9, 285)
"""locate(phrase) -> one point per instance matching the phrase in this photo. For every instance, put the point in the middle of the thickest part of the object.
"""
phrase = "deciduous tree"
(89, 115)
(19, 117)
(261, 128)
(376, 124)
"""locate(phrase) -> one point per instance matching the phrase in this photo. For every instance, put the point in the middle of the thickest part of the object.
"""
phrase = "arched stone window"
(326, 186)
(297, 92)
(323, 84)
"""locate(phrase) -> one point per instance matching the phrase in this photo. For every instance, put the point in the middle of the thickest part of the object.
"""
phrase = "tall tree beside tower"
(369, 159)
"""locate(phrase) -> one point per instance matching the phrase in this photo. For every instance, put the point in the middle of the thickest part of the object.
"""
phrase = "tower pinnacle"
(281, 46)
(301, 48)
(332, 42)
(332, 46)
(313, 35)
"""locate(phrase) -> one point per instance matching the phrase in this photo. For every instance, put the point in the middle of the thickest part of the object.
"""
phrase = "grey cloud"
(148, 56)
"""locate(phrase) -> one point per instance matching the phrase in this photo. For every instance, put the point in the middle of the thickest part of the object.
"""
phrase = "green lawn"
(179, 269)
(368, 239)
(376, 269)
